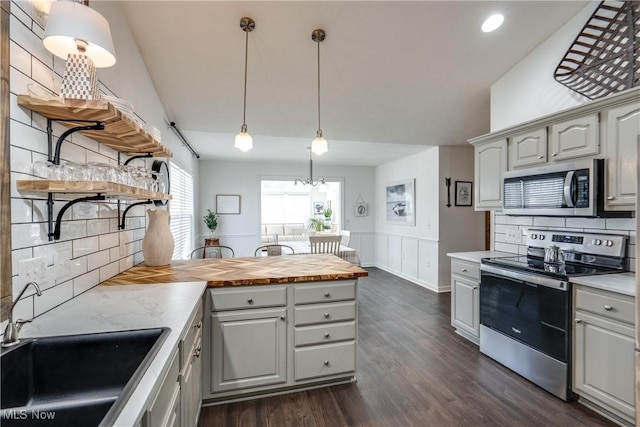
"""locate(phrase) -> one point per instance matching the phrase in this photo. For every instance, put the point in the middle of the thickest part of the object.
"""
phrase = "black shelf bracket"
(140, 156)
(124, 214)
(55, 159)
(56, 232)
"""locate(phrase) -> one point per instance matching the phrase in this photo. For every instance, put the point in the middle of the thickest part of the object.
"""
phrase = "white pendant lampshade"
(319, 144)
(244, 141)
(70, 22)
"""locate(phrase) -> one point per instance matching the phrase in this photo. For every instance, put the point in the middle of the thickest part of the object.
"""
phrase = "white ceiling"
(396, 77)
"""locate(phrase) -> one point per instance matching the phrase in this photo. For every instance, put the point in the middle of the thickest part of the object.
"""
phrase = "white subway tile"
(18, 12)
(40, 211)
(73, 230)
(18, 113)
(89, 144)
(24, 136)
(585, 223)
(85, 211)
(109, 240)
(26, 235)
(78, 266)
(96, 158)
(85, 246)
(506, 247)
(500, 238)
(109, 271)
(546, 221)
(21, 160)
(126, 263)
(43, 75)
(85, 282)
(500, 228)
(23, 309)
(113, 225)
(49, 250)
(97, 226)
(137, 258)
(53, 297)
(72, 153)
(114, 254)
(20, 58)
(28, 40)
(519, 220)
(138, 233)
(18, 81)
(21, 211)
(621, 224)
(18, 255)
(107, 210)
(97, 260)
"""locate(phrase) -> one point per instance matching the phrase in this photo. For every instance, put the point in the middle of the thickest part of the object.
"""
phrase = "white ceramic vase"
(158, 243)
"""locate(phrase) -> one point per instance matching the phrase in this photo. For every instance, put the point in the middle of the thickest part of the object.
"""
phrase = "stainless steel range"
(525, 302)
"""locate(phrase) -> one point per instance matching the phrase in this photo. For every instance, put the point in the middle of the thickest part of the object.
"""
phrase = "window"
(181, 210)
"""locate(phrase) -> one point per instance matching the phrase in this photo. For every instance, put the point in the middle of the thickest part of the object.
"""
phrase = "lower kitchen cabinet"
(603, 345)
(269, 339)
(465, 299)
(165, 409)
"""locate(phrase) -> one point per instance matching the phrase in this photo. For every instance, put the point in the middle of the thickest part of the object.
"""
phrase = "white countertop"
(127, 307)
(622, 283)
(476, 256)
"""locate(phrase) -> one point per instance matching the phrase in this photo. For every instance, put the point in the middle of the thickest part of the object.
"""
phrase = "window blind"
(181, 210)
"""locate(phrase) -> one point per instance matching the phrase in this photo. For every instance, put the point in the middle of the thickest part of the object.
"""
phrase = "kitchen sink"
(79, 380)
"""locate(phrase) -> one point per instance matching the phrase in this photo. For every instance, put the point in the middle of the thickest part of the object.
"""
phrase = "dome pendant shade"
(319, 144)
(243, 141)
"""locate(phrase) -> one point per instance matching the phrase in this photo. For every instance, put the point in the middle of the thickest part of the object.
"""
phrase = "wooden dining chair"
(212, 251)
(346, 237)
(325, 244)
(274, 250)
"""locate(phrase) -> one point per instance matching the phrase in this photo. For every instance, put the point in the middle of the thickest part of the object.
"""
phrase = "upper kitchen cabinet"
(528, 148)
(577, 137)
(622, 131)
(490, 162)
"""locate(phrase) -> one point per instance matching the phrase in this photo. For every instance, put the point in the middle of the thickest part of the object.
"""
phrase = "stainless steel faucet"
(11, 331)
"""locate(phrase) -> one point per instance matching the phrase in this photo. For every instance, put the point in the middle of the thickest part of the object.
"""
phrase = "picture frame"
(464, 193)
(228, 204)
(400, 202)
(318, 208)
(360, 209)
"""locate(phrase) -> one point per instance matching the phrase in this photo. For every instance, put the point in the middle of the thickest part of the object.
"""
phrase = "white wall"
(529, 90)
(89, 230)
(242, 232)
(418, 253)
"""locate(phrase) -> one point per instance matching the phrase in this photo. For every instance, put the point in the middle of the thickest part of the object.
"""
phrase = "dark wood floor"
(413, 370)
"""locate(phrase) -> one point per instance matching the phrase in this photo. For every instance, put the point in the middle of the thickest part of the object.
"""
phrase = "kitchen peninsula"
(270, 324)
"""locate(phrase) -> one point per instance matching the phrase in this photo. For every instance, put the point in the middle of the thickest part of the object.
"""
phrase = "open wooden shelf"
(121, 132)
(91, 187)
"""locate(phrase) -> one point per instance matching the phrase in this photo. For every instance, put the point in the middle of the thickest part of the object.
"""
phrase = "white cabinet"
(191, 372)
(465, 299)
(528, 148)
(490, 163)
(622, 130)
(603, 352)
(262, 339)
(165, 409)
(577, 137)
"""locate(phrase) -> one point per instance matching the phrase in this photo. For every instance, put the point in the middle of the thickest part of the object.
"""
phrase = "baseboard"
(414, 280)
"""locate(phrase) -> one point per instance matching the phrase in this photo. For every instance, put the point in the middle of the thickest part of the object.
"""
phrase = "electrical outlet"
(33, 270)
(513, 235)
(62, 265)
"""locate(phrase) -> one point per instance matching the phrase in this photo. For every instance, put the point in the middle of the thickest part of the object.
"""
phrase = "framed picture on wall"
(227, 204)
(400, 200)
(464, 193)
(318, 208)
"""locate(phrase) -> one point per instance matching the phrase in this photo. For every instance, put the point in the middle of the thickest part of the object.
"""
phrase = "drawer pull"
(554, 154)
(541, 157)
(250, 300)
(327, 335)
(578, 320)
(282, 317)
(327, 295)
(464, 270)
(197, 351)
(608, 307)
(327, 315)
(326, 363)
(611, 198)
(199, 325)
(474, 288)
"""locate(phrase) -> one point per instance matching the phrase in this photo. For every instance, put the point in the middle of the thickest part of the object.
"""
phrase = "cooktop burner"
(562, 271)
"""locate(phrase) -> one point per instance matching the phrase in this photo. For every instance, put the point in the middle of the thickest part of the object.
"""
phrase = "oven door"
(529, 308)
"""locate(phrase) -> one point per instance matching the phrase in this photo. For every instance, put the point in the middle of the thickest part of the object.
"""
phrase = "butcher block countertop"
(243, 271)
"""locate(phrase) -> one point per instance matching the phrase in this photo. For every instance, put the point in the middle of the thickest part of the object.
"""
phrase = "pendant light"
(319, 144)
(243, 141)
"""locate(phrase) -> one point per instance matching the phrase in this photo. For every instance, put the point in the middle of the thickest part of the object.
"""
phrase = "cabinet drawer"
(193, 334)
(325, 313)
(324, 360)
(305, 294)
(322, 334)
(615, 306)
(164, 406)
(465, 269)
(248, 297)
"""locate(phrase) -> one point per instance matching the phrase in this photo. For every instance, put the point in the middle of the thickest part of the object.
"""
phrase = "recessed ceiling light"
(492, 23)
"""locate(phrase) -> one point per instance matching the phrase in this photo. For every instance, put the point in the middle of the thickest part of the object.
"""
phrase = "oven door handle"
(525, 277)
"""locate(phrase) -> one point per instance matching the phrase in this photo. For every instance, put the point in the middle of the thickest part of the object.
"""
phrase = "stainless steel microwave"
(563, 189)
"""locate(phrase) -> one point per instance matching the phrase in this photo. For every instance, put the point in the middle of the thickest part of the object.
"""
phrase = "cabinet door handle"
(554, 154)
(578, 320)
(608, 307)
(199, 325)
(327, 335)
(326, 315)
(610, 198)
(474, 288)
(541, 157)
(250, 300)
(326, 363)
(197, 351)
(282, 317)
(327, 295)
(464, 270)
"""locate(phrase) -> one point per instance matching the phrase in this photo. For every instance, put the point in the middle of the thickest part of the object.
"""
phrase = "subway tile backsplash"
(502, 223)
(89, 231)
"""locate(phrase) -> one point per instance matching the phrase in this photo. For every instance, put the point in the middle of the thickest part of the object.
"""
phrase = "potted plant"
(211, 221)
(317, 224)
(327, 214)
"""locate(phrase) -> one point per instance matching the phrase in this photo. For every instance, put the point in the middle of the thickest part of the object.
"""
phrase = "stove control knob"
(597, 242)
(608, 242)
(542, 236)
(534, 236)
